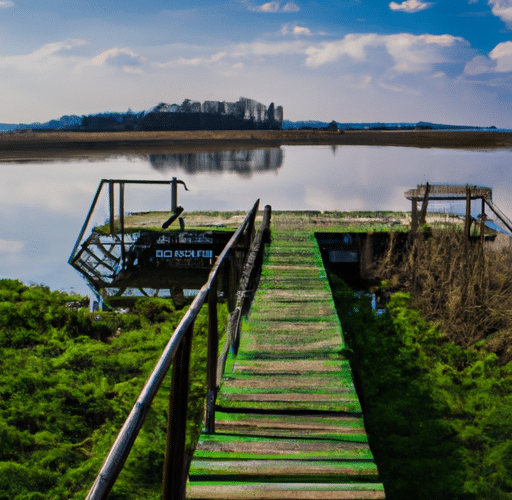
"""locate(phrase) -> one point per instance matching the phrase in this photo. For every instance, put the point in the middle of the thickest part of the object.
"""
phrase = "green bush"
(438, 415)
(68, 380)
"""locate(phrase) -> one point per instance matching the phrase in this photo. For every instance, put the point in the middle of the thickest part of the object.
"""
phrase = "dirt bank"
(41, 145)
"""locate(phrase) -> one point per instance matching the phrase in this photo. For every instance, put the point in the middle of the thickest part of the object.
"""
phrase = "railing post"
(265, 224)
(213, 353)
(174, 481)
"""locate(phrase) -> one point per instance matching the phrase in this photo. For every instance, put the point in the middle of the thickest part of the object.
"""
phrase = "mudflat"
(40, 145)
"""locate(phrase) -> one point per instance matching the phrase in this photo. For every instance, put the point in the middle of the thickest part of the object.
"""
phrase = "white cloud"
(273, 7)
(125, 58)
(414, 54)
(296, 30)
(353, 45)
(410, 6)
(301, 30)
(6, 3)
(194, 61)
(499, 61)
(410, 53)
(478, 65)
(502, 9)
(291, 7)
(11, 246)
(269, 7)
(44, 59)
(502, 54)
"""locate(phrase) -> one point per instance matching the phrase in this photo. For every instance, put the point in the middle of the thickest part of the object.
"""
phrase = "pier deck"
(288, 421)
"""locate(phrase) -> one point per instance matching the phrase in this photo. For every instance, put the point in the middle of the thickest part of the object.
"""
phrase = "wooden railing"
(242, 247)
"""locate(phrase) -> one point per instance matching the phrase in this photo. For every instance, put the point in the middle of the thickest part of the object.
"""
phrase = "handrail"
(121, 448)
(501, 216)
(246, 290)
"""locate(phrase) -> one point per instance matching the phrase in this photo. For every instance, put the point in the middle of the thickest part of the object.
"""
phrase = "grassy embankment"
(434, 372)
(69, 378)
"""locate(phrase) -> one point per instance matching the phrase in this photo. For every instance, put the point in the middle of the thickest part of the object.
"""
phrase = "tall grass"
(465, 287)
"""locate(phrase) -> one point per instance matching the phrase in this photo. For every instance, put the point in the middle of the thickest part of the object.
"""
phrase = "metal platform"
(120, 260)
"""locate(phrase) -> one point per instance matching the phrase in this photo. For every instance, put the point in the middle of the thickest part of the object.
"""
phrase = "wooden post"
(213, 353)
(467, 223)
(174, 481)
(414, 216)
(366, 253)
(424, 205)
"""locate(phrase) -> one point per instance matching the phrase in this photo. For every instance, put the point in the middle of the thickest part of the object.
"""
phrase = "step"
(283, 491)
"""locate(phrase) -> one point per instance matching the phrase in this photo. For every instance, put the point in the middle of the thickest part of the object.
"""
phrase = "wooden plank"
(242, 447)
(314, 471)
(286, 491)
(288, 421)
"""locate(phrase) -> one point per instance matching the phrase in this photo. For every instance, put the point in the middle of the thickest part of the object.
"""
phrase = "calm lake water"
(43, 204)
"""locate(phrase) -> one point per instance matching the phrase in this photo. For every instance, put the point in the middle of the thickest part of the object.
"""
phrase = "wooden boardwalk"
(288, 422)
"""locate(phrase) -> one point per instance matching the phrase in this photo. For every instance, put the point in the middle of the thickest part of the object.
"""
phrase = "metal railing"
(177, 353)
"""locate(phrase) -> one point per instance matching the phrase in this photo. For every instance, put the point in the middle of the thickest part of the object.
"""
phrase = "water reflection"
(242, 162)
(43, 205)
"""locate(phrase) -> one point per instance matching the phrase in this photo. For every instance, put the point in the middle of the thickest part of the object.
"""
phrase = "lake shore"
(24, 145)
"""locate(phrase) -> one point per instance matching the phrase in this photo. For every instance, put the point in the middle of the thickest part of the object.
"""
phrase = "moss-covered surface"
(288, 413)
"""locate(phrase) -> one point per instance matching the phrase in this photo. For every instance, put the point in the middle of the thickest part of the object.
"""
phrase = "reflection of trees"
(242, 162)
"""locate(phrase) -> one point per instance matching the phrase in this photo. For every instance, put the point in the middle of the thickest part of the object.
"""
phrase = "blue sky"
(447, 61)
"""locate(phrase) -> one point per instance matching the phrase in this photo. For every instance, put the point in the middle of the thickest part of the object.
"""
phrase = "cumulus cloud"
(60, 58)
(498, 61)
(392, 55)
(124, 58)
(6, 3)
(295, 30)
(410, 53)
(502, 54)
(410, 6)
(273, 7)
(353, 46)
(502, 9)
(301, 30)
(268, 7)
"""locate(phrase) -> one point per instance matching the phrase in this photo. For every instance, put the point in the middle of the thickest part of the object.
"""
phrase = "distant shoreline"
(46, 145)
